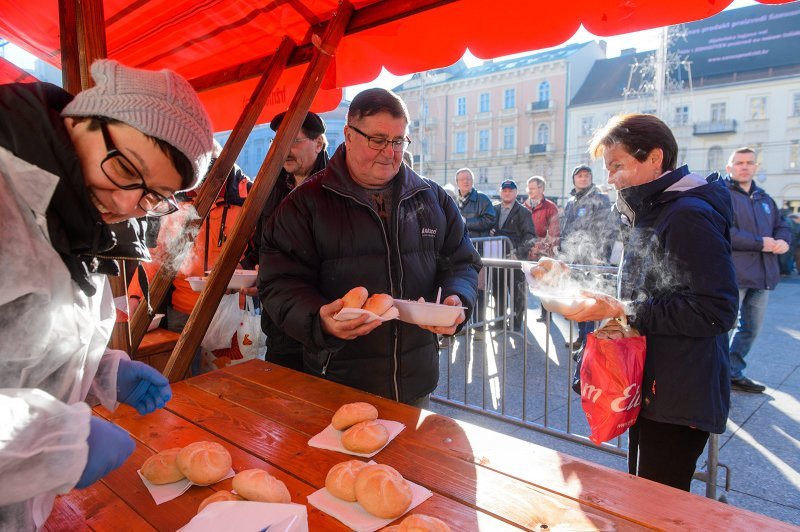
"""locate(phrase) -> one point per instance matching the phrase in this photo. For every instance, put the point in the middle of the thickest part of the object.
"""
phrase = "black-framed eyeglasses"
(123, 174)
(379, 143)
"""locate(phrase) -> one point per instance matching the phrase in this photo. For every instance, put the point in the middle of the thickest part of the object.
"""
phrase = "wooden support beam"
(83, 40)
(368, 17)
(200, 318)
(211, 186)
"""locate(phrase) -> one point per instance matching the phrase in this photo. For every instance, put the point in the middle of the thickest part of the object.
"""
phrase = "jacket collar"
(582, 193)
(635, 202)
(338, 179)
(755, 190)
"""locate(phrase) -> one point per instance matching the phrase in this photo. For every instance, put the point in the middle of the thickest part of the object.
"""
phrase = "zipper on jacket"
(325, 365)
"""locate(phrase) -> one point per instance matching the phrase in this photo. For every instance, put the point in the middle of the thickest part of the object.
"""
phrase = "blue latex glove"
(109, 447)
(141, 386)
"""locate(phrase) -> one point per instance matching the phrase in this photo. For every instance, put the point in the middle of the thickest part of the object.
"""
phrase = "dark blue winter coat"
(326, 238)
(755, 215)
(479, 213)
(677, 269)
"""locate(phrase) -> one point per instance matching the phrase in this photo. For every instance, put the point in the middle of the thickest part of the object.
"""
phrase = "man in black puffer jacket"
(367, 220)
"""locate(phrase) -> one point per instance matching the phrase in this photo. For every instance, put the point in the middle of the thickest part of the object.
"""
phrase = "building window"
(717, 112)
(715, 159)
(544, 91)
(461, 142)
(483, 174)
(509, 141)
(586, 126)
(796, 104)
(483, 140)
(681, 115)
(510, 99)
(794, 155)
(543, 134)
(483, 103)
(758, 108)
(461, 106)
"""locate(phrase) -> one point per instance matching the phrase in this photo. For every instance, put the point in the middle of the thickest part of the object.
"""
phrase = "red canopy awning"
(11, 73)
(201, 38)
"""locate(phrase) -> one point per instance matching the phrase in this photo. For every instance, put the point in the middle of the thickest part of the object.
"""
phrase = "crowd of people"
(700, 257)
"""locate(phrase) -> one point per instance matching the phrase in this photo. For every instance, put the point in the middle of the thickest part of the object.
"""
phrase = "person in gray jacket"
(759, 234)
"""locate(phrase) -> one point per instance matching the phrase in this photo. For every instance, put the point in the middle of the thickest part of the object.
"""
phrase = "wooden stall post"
(204, 310)
(209, 189)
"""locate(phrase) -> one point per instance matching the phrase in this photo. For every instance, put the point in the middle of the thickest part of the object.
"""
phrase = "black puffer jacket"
(677, 269)
(478, 211)
(326, 238)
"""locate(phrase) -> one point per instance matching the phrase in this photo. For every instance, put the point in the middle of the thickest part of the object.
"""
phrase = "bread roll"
(204, 462)
(382, 491)
(161, 468)
(365, 437)
(341, 479)
(422, 523)
(355, 298)
(217, 497)
(258, 485)
(352, 413)
(379, 303)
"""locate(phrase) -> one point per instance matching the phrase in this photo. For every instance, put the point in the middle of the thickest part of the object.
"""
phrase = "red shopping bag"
(611, 381)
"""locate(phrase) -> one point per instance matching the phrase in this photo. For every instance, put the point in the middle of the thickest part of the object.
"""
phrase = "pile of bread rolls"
(252, 485)
(379, 489)
(358, 297)
(362, 432)
(201, 462)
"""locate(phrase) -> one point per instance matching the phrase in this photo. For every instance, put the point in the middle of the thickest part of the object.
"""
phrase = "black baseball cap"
(580, 168)
(313, 123)
(508, 183)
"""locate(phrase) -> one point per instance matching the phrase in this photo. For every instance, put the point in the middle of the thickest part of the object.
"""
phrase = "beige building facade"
(503, 119)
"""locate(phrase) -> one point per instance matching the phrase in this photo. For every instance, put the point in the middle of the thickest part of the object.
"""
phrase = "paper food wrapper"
(249, 516)
(352, 515)
(162, 493)
(331, 439)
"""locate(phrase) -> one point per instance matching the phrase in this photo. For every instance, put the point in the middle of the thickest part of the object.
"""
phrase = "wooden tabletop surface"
(481, 480)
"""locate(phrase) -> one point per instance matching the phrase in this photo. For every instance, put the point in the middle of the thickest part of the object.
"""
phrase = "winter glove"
(141, 386)
(109, 447)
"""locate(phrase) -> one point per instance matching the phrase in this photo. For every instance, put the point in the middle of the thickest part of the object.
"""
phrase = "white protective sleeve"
(42, 444)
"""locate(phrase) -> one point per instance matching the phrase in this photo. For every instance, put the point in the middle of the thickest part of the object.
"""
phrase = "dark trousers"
(667, 453)
(502, 294)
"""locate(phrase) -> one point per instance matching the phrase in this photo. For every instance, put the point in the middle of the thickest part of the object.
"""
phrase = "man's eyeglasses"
(379, 143)
(298, 140)
(123, 174)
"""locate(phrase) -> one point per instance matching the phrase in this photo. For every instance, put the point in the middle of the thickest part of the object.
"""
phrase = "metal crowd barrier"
(522, 376)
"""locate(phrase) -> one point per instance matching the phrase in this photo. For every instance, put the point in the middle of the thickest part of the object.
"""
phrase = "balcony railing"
(541, 105)
(537, 149)
(715, 127)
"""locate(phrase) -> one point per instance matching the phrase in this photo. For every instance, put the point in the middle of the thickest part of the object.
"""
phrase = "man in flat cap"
(307, 156)
(515, 222)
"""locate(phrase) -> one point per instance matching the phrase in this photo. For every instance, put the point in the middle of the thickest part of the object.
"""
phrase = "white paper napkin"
(331, 439)
(249, 516)
(349, 313)
(353, 515)
(162, 493)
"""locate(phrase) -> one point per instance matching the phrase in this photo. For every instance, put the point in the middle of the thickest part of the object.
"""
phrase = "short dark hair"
(743, 149)
(638, 134)
(181, 163)
(376, 100)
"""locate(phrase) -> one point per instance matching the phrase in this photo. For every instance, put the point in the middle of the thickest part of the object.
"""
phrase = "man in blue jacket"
(678, 276)
(759, 234)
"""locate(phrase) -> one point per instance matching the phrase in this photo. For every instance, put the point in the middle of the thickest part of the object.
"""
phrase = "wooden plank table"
(481, 480)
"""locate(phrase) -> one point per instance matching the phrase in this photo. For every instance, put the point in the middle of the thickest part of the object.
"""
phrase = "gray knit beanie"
(160, 104)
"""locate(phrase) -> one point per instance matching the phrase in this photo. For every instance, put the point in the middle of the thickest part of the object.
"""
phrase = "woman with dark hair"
(678, 279)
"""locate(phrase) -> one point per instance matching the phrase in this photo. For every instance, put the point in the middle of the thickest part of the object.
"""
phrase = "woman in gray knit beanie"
(69, 167)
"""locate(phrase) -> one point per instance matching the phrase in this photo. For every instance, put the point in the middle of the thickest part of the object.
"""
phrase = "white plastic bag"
(224, 323)
(252, 340)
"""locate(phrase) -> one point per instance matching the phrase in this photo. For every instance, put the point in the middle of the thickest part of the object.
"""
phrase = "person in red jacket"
(545, 222)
